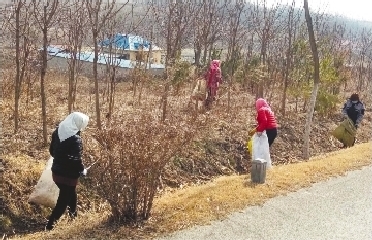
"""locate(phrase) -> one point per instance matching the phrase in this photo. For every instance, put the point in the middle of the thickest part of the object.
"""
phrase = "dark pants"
(67, 198)
(271, 135)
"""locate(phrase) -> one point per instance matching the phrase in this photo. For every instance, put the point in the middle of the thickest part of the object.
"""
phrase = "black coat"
(67, 155)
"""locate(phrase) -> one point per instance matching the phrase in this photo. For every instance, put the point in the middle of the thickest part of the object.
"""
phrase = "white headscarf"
(73, 123)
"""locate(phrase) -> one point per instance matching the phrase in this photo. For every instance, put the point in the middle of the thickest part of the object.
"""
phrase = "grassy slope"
(214, 200)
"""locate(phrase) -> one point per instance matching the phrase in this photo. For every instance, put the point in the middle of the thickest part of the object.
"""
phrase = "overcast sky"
(357, 9)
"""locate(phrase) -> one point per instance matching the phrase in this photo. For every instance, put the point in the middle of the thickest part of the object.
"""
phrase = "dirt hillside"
(220, 151)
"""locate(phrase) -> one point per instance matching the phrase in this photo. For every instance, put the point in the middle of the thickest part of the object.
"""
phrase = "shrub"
(131, 158)
(326, 103)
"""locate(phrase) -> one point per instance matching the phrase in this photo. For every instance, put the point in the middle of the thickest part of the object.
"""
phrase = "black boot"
(72, 215)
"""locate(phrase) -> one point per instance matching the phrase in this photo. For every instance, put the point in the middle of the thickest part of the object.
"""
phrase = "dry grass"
(227, 194)
(200, 204)
(28, 170)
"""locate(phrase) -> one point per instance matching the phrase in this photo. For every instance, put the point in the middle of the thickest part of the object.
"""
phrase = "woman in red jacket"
(266, 120)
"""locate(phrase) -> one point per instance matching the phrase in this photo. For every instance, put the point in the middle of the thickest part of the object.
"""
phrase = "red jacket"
(266, 119)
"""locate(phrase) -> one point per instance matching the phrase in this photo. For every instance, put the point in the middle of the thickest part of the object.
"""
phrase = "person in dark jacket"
(265, 120)
(354, 109)
(66, 149)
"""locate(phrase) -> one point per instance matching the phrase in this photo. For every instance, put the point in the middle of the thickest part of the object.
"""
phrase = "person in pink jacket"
(213, 80)
(266, 120)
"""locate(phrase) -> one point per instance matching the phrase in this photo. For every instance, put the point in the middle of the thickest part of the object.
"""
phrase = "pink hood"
(215, 64)
(260, 103)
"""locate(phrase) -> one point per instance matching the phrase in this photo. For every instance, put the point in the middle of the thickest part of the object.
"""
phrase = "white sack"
(261, 149)
(46, 191)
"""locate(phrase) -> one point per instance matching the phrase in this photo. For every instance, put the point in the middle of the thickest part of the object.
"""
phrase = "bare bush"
(131, 158)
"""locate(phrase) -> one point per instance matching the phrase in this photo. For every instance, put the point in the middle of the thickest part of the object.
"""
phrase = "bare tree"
(112, 62)
(291, 30)
(310, 111)
(75, 22)
(207, 24)
(176, 20)
(236, 33)
(264, 21)
(365, 43)
(23, 41)
(99, 12)
(45, 18)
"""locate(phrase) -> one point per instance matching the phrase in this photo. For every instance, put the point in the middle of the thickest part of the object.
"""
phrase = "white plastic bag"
(46, 191)
(261, 149)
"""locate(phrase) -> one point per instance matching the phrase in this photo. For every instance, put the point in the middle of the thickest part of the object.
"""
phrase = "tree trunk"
(197, 52)
(149, 54)
(205, 53)
(310, 111)
(261, 83)
(17, 89)
(95, 73)
(309, 119)
(165, 101)
(42, 82)
(288, 60)
(361, 73)
(229, 94)
(71, 82)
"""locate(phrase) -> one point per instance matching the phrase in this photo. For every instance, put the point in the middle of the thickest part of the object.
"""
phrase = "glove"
(259, 134)
(84, 172)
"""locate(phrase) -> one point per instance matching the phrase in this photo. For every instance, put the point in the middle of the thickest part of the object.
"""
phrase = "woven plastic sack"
(261, 149)
(200, 90)
(345, 132)
(46, 191)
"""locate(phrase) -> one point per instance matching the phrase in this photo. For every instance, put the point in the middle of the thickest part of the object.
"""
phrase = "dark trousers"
(67, 198)
(271, 135)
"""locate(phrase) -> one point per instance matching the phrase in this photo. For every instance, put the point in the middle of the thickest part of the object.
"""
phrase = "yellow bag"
(249, 145)
(250, 140)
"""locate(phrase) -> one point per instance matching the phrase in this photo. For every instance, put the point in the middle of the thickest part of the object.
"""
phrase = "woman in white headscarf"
(66, 149)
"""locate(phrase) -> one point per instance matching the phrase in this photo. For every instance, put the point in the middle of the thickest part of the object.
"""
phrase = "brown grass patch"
(28, 170)
(214, 200)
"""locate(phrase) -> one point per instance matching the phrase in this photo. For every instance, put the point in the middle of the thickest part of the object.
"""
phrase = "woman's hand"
(84, 172)
(252, 132)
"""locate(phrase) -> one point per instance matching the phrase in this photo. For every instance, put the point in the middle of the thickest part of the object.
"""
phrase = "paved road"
(340, 208)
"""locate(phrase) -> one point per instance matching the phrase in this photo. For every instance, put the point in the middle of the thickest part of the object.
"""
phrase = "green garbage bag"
(345, 132)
